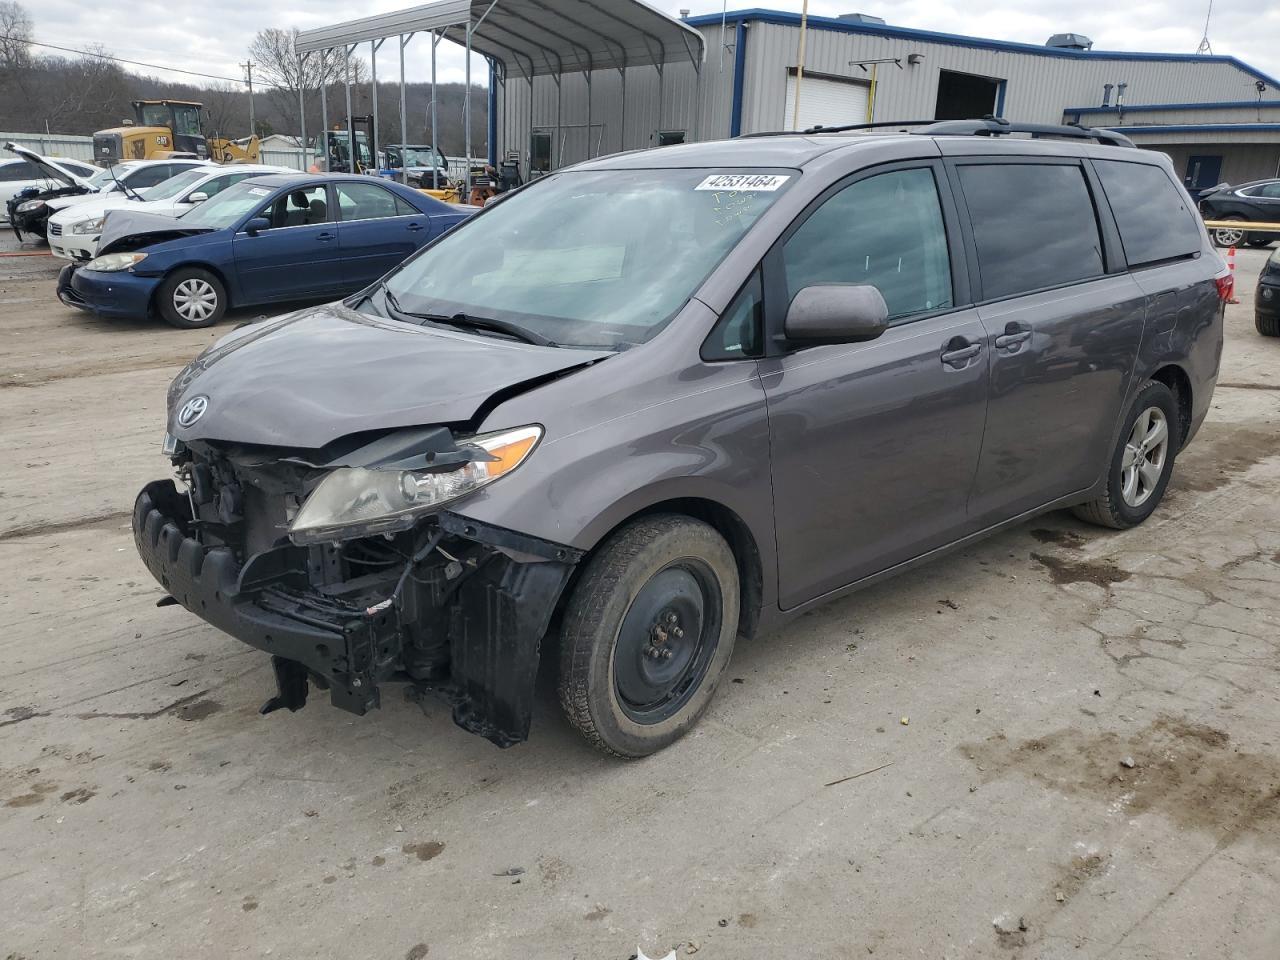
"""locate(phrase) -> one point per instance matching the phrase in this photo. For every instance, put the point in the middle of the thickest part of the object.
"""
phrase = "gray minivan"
(661, 400)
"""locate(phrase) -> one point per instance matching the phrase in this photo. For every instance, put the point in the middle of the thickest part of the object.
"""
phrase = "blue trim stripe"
(1148, 107)
(739, 72)
(788, 19)
(1136, 129)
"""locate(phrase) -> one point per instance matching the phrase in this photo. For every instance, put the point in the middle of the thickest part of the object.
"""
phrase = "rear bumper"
(492, 622)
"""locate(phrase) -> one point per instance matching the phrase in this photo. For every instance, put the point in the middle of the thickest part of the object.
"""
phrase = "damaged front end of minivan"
(347, 567)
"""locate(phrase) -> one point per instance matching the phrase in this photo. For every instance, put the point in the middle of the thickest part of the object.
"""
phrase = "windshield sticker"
(755, 182)
(259, 191)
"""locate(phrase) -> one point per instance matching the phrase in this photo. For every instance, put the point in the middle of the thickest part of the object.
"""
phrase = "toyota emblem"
(193, 410)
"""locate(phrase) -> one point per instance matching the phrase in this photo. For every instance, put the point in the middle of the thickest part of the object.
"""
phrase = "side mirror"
(198, 197)
(257, 224)
(836, 313)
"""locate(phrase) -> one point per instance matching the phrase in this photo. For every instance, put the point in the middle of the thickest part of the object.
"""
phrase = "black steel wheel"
(647, 633)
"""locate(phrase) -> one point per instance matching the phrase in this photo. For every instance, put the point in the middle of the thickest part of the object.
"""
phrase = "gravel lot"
(147, 810)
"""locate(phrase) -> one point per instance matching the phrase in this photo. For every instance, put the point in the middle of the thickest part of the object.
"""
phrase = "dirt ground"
(1075, 737)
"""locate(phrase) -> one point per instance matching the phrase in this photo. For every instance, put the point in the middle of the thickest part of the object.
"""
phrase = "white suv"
(74, 231)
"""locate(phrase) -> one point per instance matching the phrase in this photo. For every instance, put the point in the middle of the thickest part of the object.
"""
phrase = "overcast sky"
(211, 35)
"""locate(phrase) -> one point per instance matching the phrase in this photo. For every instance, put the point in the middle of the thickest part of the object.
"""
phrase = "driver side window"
(298, 208)
(886, 231)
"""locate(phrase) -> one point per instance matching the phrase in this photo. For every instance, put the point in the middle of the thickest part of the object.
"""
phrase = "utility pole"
(248, 72)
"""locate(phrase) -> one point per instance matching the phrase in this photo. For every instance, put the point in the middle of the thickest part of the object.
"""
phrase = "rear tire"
(1141, 463)
(1230, 236)
(1258, 241)
(190, 298)
(1267, 326)
(647, 634)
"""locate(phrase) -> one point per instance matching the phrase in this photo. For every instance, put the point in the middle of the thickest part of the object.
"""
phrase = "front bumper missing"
(491, 621)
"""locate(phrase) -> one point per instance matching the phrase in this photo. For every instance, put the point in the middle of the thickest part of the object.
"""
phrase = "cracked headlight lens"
(355, 501)
(88, 226)
(30, 206)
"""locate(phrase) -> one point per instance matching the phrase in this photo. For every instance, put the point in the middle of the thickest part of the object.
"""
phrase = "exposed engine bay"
(437, 600)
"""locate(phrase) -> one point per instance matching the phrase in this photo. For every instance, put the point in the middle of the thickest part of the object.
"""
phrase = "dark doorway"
(1203, 172)
(963, 96)
(540, 153)
(669, 138)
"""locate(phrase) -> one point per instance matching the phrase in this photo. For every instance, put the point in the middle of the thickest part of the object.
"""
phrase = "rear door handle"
(324, 236)
(415, 227)
(960, 355)
(1012, 339)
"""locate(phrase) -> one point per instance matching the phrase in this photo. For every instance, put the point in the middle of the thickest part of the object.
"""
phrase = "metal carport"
(521, 39)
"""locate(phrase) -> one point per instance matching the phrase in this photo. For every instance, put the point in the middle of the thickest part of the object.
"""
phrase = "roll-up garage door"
(826, 102)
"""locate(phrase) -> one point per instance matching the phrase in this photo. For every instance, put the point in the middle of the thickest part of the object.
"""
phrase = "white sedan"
(74, 231)
(16, 175)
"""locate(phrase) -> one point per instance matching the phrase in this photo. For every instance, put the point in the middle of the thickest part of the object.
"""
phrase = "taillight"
(1226, 287)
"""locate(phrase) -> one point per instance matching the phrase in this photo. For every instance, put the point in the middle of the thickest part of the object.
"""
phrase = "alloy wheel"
(1228, 236)
(1144, 457)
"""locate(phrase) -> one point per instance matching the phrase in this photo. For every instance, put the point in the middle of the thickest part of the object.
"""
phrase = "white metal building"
(572, 79)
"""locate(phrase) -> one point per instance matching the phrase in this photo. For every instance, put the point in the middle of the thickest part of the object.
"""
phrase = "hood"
(123, 226)
(49, 169)
(307, 379)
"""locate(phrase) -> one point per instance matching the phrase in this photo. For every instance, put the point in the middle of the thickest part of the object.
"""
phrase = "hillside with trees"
(43, 90)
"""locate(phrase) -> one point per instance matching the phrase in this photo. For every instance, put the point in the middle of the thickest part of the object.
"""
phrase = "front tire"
(190, 298)
(1268, 326)
(647, 634)
(1142, 462)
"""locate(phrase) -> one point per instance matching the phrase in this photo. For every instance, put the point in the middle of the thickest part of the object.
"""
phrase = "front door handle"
(959, 355)
(324, 236)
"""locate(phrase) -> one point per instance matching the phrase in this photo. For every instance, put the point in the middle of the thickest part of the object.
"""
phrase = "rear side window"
(1154, 216)
(150, 176)
(1034, 226)
(886, 231)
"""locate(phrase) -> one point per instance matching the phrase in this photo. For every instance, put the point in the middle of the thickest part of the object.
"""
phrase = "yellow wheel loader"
(168, 128)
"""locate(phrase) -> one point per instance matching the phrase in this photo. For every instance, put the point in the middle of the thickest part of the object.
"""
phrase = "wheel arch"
(725, 521)
(1175, 378)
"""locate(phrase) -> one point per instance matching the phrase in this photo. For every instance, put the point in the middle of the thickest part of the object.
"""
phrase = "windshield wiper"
(470, 321)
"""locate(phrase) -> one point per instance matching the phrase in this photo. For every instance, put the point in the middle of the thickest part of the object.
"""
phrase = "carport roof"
(534, 37)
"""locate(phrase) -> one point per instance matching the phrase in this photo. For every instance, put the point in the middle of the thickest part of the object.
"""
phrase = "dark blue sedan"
(269, 239)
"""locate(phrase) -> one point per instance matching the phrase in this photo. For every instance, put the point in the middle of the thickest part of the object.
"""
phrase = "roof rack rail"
(999, 127)
(987, 126)
(840, 129)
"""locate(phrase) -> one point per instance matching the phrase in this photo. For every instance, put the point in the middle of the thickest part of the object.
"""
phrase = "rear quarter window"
(1154, 215)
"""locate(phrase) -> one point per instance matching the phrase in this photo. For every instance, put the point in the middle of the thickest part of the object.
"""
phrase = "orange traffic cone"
(1231, 265)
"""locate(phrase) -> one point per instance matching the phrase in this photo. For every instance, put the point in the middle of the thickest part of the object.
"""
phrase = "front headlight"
(115, 262)
(355, 501)
(30, 206)
(88, 226)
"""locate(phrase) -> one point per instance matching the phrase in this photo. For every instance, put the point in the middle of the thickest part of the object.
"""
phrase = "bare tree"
(15, 36)
(226, 109)
(283, 74)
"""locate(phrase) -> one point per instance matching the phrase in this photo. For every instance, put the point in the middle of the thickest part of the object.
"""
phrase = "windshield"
(593, 258)
(174, 185)
(224, 209)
